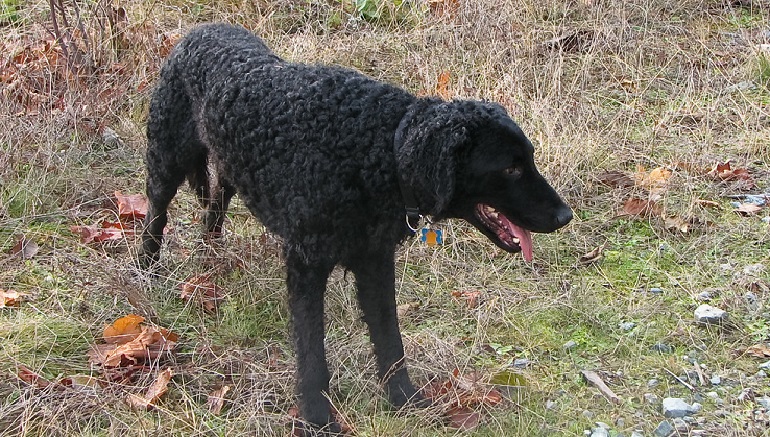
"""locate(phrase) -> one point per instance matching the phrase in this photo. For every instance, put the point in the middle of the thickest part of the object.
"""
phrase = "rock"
(709, 315)
(549, 404)
(637, 434)
(653, 383)
(627, 326)
(676, 407)
(715, 379)
(620, 422)
(521, 363)
(600, 430)
(656, 290)
(664, 429)
(680, 425)
(588, 414)
(696, 407)
(746, 85)
(662, 348)
(569, 345)
(751, 301)
(714, 396)
(651, 398)
(765, 365)
(754, 269)
(111, 139)
(704, 296)
(721, 413)
(763, 401)
(746, 394)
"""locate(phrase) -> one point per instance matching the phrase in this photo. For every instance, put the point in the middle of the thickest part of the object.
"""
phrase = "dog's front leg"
(306, 284)
(375, 280)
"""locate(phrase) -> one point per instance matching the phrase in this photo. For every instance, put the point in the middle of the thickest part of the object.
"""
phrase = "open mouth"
(513, 238)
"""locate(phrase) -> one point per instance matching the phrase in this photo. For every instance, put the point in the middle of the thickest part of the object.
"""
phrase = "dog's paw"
(407, 397)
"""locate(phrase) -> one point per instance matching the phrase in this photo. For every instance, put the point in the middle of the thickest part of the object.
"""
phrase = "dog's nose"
(563, 216)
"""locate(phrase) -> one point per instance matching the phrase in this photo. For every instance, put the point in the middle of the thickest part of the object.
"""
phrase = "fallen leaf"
(157, 389)
(131, 206)
(615, 179)
(200, 289)
(402, 310)
(216, 399)
(9, 298)
(108, 231)
(707, 203)
(123, 329)
(724, 171)
(442, 85)
(463, 418)
(33, 378)
(747, 209)
(635, 206)
(656, 179)
(135, 348)
(758, 351)
(471, 298)
(592, 256)
(677, 224)
(25, 248)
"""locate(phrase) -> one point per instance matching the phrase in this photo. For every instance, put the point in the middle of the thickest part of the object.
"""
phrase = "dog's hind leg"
(306, 283)
(375, 280)
(220, 201)
(174, 152)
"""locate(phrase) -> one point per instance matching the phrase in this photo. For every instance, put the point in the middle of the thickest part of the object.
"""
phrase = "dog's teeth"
(516, 240)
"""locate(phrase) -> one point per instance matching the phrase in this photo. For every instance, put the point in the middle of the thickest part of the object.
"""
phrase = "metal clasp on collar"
(414, 214)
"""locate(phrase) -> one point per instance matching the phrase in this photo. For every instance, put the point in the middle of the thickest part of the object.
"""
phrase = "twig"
(680, 380)
(593, 378)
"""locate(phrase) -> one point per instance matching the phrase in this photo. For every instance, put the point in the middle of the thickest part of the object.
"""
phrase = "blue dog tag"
(431, 237)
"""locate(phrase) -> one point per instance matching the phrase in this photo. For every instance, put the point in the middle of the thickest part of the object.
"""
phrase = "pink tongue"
(525, 239)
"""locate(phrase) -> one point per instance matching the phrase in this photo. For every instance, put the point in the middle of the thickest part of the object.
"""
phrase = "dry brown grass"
(596, 84)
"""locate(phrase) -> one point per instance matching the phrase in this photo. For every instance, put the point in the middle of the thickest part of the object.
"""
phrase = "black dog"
(340, 166)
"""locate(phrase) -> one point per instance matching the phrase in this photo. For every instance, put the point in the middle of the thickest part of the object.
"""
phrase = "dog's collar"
(413, 215)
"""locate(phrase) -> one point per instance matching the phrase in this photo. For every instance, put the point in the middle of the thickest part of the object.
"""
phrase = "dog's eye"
(512, 171)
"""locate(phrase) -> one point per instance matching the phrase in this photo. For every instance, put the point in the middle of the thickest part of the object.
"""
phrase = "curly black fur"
(310, 150)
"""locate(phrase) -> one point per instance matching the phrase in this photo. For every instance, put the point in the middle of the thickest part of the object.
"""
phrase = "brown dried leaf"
(9, 298)
(25, 248)
(635, 206)
(123, 329)
(469, 297)
(463, 418)
(403, 310)
(202, 290)
(592, 256)
(216, 399)
(707, 203)
(615, 179)
(758, 351)
(33, 378)
(677, 224)
(442, 85)
(158, 388)
(747, 209)
(131, 206)
(724, 171)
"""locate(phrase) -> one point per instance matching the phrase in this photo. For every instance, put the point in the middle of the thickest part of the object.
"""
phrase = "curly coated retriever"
(340, 166)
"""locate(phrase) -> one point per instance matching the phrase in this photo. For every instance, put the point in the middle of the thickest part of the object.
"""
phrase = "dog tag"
(431, 237)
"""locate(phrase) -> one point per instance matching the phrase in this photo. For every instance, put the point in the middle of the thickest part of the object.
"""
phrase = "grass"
(647, 83)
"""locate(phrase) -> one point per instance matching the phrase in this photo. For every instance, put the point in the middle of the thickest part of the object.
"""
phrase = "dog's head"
(485, 173)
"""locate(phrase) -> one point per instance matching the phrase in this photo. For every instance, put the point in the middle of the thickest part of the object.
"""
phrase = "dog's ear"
(433, 134)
